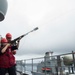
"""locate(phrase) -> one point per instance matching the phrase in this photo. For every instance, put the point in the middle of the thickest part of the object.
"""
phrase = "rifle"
(20, 37)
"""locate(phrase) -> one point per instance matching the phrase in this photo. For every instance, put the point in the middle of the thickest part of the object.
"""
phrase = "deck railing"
(51, 65)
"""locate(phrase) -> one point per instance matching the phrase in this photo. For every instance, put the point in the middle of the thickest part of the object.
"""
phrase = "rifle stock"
(20, 37)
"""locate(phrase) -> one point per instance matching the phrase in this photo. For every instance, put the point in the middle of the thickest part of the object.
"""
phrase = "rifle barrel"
(20, 37)
(36, 28)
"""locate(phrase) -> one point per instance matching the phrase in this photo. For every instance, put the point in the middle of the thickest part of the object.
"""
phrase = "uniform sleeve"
(0, 51)
(14, 48)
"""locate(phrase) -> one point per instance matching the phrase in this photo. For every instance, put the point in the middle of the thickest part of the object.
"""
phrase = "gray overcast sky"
(54, 18)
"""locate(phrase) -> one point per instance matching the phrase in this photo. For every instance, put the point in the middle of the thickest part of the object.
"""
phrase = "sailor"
(7, 59)
(9, 37)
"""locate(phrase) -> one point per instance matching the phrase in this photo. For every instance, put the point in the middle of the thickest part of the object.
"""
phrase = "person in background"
(7, 59)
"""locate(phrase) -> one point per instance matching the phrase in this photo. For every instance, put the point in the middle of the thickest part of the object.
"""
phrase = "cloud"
(55, 20)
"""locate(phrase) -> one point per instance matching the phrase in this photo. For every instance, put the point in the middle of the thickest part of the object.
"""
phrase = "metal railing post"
(32, 65)
(73, 62)
(24, 66)
(45, 64)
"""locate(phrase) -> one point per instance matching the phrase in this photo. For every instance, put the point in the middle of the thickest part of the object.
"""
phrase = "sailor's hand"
(8, 44)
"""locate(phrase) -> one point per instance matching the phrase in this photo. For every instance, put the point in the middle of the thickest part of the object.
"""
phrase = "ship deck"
(19, 73)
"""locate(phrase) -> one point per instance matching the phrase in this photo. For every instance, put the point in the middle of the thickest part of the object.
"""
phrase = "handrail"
(53, 63)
